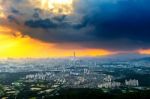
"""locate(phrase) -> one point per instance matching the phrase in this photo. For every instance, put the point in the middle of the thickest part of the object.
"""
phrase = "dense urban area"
(72, 78)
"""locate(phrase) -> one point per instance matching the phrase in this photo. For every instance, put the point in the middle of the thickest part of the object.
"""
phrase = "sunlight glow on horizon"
(14, 45)
(146, 51)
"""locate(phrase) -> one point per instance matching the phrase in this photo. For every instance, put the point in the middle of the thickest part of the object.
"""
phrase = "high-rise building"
(74, 54)
(132, 82)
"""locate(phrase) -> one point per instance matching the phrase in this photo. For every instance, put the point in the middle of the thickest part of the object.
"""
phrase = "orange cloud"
(147, 51)
(13, 44)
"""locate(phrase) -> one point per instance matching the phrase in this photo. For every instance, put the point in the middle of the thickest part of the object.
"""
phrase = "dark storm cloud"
(125, 25)
(111, 24)
(13, 19)
(46, 23)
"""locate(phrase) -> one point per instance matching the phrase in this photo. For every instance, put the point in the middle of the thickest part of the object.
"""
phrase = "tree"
(1, 90)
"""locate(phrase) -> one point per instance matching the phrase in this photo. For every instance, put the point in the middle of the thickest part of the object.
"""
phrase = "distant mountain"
(127, 56)
(145, 59)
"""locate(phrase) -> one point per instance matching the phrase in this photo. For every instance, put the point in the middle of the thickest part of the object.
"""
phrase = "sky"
(58, 28)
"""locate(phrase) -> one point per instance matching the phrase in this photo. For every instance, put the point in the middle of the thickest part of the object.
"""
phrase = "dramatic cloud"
(109, 24)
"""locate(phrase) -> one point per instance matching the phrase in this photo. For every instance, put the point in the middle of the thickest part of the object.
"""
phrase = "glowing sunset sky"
(13, 44)
(57, 28)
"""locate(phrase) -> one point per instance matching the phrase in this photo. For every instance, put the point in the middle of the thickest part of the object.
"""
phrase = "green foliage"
(1, 90)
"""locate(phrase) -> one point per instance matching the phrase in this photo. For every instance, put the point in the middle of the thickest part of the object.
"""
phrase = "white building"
(110, 85)
(132, 82)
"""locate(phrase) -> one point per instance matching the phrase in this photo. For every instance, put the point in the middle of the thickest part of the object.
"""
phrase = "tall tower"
(74, 54)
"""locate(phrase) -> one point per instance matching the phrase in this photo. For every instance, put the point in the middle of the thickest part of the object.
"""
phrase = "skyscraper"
(74, 54)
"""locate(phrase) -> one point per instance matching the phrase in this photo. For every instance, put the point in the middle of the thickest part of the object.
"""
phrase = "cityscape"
(74, 49)
(44, 78)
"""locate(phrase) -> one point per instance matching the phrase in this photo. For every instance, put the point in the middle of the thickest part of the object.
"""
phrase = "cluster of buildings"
(39, 76)
(82, 80)
(131, 82)
(109, 83)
